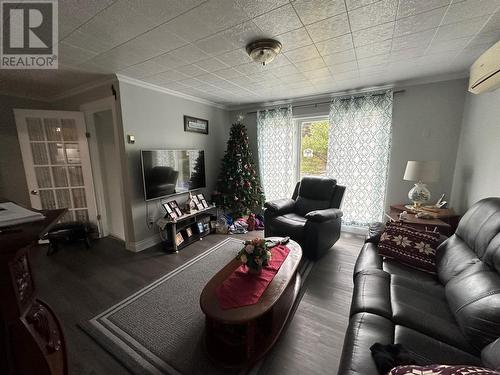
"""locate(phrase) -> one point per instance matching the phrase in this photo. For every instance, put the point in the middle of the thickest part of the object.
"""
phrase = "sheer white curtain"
(358, 153)
(276, 141)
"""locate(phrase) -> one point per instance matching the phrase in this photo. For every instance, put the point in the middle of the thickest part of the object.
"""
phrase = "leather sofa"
(312, 217)
(452, 317)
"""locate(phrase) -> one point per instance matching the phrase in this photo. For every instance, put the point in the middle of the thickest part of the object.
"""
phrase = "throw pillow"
(442, 370)
(409, 246)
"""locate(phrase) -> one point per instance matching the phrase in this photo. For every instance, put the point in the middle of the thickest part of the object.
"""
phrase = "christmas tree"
(238, 186)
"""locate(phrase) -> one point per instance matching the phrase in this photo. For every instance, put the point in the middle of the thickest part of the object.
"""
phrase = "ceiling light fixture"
(264, 51)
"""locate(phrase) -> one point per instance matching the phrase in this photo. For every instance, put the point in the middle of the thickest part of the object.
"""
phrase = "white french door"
(57, 162)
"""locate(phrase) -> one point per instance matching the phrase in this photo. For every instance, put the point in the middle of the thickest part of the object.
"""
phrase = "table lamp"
(422, 172)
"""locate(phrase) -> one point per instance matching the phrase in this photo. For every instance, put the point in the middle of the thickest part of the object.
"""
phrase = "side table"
(445, 221)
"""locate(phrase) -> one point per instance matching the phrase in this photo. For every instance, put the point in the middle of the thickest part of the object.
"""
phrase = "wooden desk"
(445, 224)
(31, 339)
(239, 337)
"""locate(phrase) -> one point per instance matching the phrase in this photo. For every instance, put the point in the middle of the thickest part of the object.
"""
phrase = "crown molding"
(433, 79)
(250, 106)
(151, 86)
(83, 88)
(25, 97)
(66, 94)
(395, 85)
(306, 99)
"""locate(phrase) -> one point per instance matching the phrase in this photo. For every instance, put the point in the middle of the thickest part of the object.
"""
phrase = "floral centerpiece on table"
(255, 254)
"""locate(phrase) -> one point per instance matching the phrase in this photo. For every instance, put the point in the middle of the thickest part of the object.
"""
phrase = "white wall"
(156, 120)
(426, 126)
(477, 172)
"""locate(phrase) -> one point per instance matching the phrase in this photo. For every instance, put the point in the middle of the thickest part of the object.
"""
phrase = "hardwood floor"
(79, 283)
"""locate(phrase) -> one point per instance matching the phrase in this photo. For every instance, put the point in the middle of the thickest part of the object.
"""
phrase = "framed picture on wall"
(195, 125)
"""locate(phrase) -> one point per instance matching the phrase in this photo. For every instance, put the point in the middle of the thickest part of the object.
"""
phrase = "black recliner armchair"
(312, 217)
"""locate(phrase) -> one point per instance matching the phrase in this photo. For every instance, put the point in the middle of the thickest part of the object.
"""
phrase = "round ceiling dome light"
(264, 51)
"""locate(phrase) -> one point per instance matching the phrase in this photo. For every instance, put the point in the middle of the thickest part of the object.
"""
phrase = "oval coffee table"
(239, 337)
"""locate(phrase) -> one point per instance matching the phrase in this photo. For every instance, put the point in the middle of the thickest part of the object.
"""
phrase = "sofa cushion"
(305, 205)
(317, 188)
(427, 350)
(479, 228)
(372, 293)
(315, 193)
(474, 298)
(453, 257)
(490, 355)
(423, 307)
(363, 331)
(290, 225)
(396, 268)
(407, 245)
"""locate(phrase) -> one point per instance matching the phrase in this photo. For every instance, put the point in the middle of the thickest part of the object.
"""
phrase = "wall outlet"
(151, 220)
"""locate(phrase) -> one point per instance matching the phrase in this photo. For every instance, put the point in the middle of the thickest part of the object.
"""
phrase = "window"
(351, 144)
(313, 146)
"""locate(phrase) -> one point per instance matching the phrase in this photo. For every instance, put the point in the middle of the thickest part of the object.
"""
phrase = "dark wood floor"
(79, 283)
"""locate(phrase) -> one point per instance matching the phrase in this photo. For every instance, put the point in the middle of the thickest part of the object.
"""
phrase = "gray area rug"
(159, 329)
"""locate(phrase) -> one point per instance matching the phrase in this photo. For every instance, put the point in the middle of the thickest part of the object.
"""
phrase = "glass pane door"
(57, 162)
(313, 147)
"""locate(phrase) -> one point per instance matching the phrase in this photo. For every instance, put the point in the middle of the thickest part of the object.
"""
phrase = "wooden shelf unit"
(180, 225)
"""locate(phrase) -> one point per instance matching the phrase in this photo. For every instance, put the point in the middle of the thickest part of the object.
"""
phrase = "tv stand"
(192, 227)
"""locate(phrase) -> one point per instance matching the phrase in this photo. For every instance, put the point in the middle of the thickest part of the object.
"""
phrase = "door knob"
(34, 192)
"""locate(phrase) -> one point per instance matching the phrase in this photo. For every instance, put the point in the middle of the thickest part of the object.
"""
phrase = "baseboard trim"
(355, 229)
(143, 244)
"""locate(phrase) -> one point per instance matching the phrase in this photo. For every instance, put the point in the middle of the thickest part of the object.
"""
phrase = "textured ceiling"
(197, 47)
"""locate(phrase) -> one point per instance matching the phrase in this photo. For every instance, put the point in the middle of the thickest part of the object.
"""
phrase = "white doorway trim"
(89, 109)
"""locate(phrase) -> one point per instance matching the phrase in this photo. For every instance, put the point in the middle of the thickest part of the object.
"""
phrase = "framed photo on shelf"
(196, 125)
(167, 207)
(179, 239)
(175, 208)
(189, 232)
(204, 203)
(172, 215)
(200, 227)
(195, 199)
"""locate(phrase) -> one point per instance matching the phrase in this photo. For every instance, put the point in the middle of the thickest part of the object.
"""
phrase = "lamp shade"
(424, 171)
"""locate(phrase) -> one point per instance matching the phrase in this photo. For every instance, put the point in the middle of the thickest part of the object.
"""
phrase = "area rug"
(159, 329)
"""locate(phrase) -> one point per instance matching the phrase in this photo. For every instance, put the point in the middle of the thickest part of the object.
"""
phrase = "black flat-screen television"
(169, 172)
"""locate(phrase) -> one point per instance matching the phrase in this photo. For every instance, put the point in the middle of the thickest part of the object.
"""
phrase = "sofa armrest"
(375, 230)
(320, 216)
(280, 206)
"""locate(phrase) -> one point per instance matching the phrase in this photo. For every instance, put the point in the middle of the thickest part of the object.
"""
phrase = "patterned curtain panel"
(358, 154)
(276, 140)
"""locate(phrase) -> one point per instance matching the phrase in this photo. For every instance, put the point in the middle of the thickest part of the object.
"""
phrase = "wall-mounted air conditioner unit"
(485, 72)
